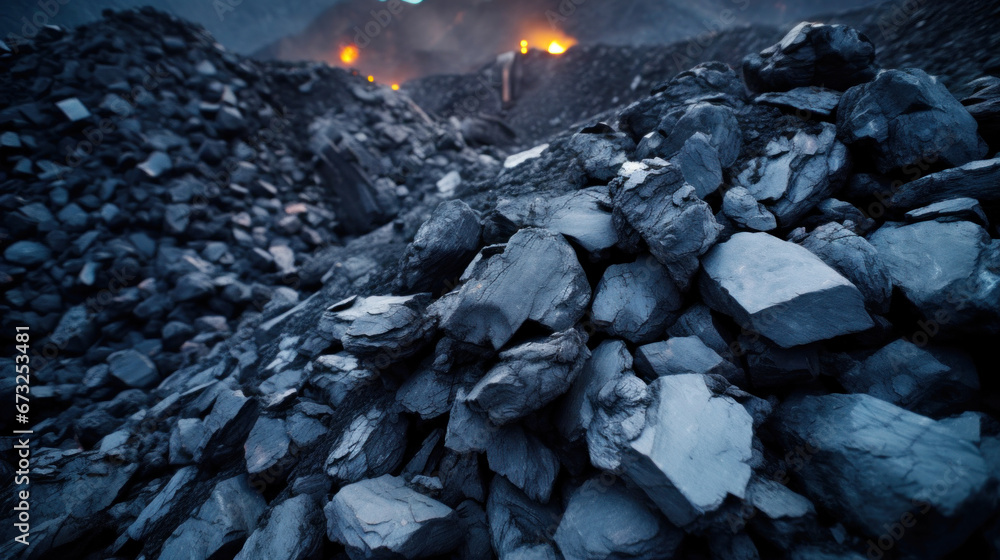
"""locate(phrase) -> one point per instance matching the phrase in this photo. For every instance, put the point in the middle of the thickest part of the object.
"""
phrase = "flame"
(395, 87)
(349, 54)
(549, 41)
(371, 78)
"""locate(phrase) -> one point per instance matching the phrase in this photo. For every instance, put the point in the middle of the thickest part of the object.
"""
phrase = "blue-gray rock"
(949, 271)
(932, 381)
(292, 531)
(856, 259)
(73, 109)
(226, 428)
(530, 376)
(636, 301)
(781, 290)
(381, 518)
(221, 524)
(699, 161)
(524, 460)
(75, 331)
(873, 465)
(600, 150)
(605, 519)
(27, 253)
(976, 179)
(266, 445)
(583, 216)
(799, 169)
(686, 354)
(520, 529)
(694, 450)
(742, 208)
(469, 429)
(652, 203)
(441, 249)
(907, 118)
(193, 285)
(72, 217)
(133, 368)
(718, 122)
(809, 102)
(537, 276)
(781, 516)
(166, 502)
(611, 359)
(812, 54)
(619, 417)
(697, 321)
(387, 334)
(371, 445)
(950, 210)
(156, 164)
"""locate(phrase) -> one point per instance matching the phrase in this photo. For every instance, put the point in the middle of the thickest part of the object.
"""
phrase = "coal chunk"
(882, 464)
(529, 376)
(948, 270)
(606, 519)
(742, 208)
(636, 301)
(781, 290)
(928, 381)
(292, 531)
(583, 216)
(976, 179)
(27, 253)
(524, 460)
(381, 518)
(519, 526)
(799, 170)
(220, 525)
(441, 249)
(611, 359)
(856, 259)
(652, 200)
(133, 368)
(906, 118)
(684, 354)
(812, 54)
(536, 276)
(371, 445)
(694, 450)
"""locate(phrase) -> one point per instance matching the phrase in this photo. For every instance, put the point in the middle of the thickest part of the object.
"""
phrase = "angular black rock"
(529, 376)
(685, 354)
(718, 122)
(781, 290)
(694, 450)
(976, 179)
(798, 171)
(583, 216)
(536, 276)
(812, 54)
(742, 208)
(606, 519)
(371, 445)
(524, 460)
(292, 531)
(932, 381)
(907, 118)
(635, 301)
(383, 518)
(611, 359)
(882, 465)
(652, 200)
(601, 150)
(810, 102)
(950, 210)
(519, 526)
(947, 270)
(133, 368)
(856, 259)
(441, 249)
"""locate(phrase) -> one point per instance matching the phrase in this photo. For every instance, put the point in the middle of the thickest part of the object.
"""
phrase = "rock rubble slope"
(715, 324)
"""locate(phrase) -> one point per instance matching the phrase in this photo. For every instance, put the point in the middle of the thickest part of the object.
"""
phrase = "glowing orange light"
(349, 54)
(395, 86)
(556, 48)
(524, 46)
(371, 78)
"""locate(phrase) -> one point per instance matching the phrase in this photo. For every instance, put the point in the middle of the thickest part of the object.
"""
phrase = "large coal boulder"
(781, 290)
(812, 54)
(878, 467)
(908, 118)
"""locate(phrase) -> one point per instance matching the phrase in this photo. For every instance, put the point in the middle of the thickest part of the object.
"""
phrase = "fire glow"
(546, 42)
(349, 54)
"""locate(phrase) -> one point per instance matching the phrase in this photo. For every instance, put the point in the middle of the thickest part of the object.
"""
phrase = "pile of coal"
(723, 324)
